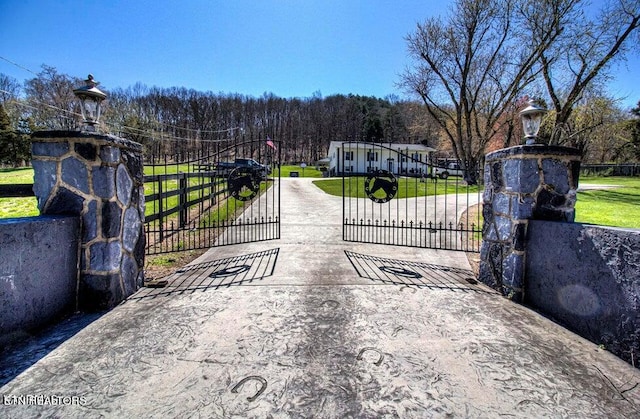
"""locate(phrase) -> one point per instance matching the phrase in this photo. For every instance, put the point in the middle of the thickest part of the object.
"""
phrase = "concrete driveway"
(311, 326)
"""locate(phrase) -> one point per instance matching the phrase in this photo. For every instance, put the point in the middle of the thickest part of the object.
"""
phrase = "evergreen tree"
(7, 137)
(635, 131)
(14, 146)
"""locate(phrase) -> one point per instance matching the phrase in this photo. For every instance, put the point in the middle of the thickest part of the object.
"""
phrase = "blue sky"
(291, 48)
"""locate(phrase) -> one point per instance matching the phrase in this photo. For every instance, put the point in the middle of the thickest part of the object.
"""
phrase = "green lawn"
(17, 207)
(27, 207)
(309, 171)
(21, 175)
(618, 207)
(407, 187)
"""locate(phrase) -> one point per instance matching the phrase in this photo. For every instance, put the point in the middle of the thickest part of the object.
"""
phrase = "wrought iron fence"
(210, 201)
(393, 195)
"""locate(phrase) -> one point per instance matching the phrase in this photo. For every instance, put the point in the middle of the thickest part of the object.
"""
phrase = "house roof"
(393, 146)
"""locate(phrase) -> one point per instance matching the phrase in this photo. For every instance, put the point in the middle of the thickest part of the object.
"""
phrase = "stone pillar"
(522, 183)
(100, 178)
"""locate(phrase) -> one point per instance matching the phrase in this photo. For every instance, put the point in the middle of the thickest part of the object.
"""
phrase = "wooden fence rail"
(629, 169)
(208, 188)
(17, 190)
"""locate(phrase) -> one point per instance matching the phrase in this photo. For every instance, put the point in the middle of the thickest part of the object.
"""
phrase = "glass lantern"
(531, 120)
(90, 102)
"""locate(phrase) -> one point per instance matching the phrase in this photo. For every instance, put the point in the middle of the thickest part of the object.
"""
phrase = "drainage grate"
(421, 275)
(237, 270)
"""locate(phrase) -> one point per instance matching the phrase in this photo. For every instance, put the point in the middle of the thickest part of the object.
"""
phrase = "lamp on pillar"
(531, 120)
(90, 102)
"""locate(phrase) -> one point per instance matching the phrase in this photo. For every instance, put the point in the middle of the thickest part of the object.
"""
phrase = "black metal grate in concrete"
(415, 274)
(237, 270)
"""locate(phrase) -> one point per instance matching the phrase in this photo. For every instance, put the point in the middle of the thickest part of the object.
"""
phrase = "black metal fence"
(212, 200)
(393, 195)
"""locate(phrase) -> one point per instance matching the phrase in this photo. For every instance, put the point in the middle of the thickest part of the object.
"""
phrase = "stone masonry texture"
(522, 183)
(98, 177)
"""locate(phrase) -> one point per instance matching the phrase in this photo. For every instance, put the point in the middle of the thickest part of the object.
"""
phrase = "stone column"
(522, 183)
(100, 178)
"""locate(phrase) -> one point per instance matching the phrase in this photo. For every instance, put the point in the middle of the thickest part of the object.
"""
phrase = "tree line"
(162, 118)
(177, 121)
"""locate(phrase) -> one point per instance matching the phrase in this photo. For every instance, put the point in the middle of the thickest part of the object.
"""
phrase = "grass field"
(618, 206)
(17, 207)
(407, 187)
(21, 175)
(309, 171)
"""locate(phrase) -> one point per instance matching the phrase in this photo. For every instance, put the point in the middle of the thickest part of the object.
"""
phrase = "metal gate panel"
(392, 196)
(205, 201)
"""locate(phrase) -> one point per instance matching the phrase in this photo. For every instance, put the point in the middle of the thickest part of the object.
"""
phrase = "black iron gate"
(229, 196)
(400, 195)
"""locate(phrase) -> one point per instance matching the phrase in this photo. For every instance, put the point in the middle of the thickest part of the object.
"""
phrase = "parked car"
(224, 169)
(450, 169)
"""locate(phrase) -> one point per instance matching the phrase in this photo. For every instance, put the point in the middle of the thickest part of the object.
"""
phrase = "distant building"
(362, 158)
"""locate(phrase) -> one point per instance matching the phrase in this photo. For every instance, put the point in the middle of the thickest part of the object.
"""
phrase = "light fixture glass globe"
(90, 102)
(531, 120)
(90, 111)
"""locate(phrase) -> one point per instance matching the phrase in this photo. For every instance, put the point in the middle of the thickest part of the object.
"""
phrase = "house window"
(416, 157)
(372, 156)
(348, 155)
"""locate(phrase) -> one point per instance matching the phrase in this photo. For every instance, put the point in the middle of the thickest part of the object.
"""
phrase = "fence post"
(212, 191)
(160, 209)
(184, 210)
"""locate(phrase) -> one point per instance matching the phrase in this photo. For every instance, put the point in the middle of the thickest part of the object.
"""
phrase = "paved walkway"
(311, 326)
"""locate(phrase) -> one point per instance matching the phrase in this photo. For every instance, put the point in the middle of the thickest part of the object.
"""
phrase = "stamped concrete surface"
(311, 326)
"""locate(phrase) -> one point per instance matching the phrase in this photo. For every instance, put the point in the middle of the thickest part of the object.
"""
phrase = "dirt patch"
(474, 212)
(160, 266)
(164, 264)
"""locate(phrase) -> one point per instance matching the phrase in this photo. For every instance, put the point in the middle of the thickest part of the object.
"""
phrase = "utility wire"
(122, 127)
(163, 136)
(17, 65)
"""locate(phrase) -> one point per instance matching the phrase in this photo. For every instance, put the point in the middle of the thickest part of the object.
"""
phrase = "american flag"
(270, 143)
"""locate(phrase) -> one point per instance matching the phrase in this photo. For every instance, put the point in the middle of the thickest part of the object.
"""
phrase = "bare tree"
(633, 125)
(581, 56)
(51, 99)
(10, 90)
(599, 129)
(193, 121)
(472, 66)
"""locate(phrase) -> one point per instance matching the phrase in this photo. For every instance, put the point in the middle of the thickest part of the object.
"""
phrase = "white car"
(451, 169)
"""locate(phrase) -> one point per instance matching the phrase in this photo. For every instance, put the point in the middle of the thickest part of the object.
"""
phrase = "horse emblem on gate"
(243, 184)
(378, 183)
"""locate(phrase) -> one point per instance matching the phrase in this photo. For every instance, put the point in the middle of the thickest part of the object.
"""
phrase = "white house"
(399, 159)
